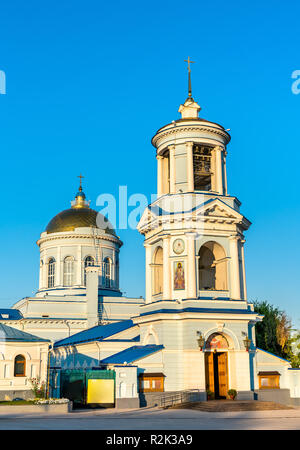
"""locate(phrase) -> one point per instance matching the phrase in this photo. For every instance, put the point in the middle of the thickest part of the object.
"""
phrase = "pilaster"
(191, 263)
(218, 169)
(166, 269)
(159, 175)
(148, 269)
(235, 284)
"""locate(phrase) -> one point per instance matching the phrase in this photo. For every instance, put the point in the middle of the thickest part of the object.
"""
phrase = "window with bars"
(51, 273)
(69, 271)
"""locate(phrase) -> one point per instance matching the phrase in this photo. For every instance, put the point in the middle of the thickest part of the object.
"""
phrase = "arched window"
(107, 272)
(68, 271)
(51, 273)
(20, 366)
(88, 261)
(212, 267)
(158, 271)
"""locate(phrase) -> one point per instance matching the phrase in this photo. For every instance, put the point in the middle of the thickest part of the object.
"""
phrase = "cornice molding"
(104, 237)
(187, 128)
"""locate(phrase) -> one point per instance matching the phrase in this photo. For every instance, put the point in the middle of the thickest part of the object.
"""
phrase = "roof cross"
(189, 70)
(189, 62)
(80, 176)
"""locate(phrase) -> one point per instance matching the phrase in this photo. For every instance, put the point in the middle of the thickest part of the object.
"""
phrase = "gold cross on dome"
(189, 62)
(80, 176)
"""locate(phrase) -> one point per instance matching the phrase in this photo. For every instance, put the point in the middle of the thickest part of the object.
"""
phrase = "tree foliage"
(273, 333)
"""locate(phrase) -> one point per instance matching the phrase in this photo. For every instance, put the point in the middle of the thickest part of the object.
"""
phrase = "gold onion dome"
(79, 215)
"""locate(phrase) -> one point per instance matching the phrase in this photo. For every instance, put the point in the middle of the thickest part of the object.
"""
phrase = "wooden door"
(209, 371)
(222, 374)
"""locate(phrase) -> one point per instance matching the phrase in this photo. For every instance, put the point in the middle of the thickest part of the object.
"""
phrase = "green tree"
(273, 333)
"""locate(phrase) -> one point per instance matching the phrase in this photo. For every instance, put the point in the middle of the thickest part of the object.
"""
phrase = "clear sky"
(88, 83)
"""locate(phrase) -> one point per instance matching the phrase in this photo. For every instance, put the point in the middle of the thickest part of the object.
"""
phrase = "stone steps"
(231, 405)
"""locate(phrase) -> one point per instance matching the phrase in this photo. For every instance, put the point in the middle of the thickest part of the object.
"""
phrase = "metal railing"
(175, 398)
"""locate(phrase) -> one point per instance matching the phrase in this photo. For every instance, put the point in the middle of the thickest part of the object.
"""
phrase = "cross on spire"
(189, 71)
(80, 186)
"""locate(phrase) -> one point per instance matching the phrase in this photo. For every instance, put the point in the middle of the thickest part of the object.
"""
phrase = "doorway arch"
(216, 365)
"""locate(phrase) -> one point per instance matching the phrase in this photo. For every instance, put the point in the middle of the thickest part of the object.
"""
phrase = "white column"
(190, 166)
(218, 170)
(244, 271)
(172, 169)
(113, 276)
(42, 268)
(45, 270)
(234, 269)
(213, 169)
(148, 269)
(58, 268)
(159, 176)
(166, 269)
(79, 266)
(225, 173)
(191, 266)
(117, 270)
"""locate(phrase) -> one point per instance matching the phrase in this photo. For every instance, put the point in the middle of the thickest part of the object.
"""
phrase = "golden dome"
(79, 215)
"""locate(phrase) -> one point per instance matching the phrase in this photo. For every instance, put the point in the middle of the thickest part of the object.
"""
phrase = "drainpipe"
(68, 327)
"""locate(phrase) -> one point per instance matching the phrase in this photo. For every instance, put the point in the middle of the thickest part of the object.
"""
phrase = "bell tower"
(193, 232)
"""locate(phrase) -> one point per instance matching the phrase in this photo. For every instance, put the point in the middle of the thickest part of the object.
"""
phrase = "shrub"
(232, 393)
(210, 395)
(38, 388)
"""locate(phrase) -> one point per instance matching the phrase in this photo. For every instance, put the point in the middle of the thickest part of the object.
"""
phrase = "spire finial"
(189, 70)
(80, 201)
(80, 186)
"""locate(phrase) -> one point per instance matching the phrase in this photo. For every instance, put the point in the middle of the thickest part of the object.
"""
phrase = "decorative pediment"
(213, 211)
(220, 212)
(147, 218)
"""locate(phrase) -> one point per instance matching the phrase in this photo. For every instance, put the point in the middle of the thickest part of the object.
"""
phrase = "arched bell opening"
(212, 267)
(202, 156)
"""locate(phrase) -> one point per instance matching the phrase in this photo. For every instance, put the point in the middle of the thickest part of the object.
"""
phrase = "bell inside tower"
(202, 168)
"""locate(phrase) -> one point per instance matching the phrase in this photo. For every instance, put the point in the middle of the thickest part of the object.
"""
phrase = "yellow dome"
(80, 215)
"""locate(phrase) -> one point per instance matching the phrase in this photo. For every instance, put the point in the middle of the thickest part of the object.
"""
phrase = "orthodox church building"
(71, 297)
(195, 329)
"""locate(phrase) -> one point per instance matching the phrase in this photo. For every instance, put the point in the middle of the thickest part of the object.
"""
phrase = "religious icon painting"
(179, 282)
(216, 341)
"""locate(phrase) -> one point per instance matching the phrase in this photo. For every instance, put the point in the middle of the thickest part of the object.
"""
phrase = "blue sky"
(89, 83)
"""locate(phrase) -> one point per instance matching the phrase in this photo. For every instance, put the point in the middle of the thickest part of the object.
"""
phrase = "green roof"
(9, 334)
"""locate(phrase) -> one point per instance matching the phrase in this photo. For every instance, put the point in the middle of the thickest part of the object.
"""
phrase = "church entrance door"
(216, 373)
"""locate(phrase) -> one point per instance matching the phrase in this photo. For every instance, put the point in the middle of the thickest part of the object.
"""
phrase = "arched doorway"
(216, 365)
